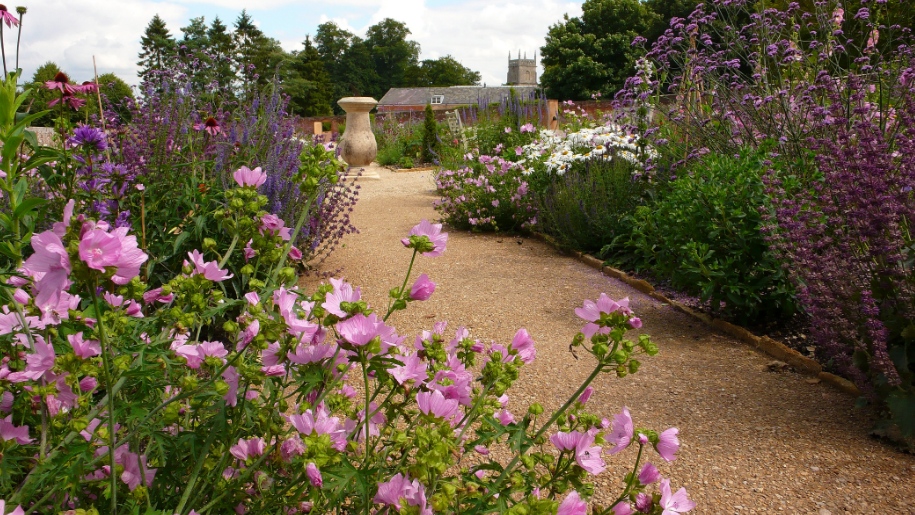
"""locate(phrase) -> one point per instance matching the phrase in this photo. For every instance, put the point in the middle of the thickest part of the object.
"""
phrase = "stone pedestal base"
(357, 145)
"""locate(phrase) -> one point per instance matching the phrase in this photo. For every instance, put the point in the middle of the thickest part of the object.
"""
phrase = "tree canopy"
(594, 53)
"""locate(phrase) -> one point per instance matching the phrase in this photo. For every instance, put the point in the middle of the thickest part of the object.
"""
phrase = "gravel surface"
(754, 439)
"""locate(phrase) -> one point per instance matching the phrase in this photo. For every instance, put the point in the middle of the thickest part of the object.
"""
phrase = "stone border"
(764, 344)
(417, 169)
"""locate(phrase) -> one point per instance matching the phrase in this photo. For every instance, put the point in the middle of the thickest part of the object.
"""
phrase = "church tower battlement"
(522, 72)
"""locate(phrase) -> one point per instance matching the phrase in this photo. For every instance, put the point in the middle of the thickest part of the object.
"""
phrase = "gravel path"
(754, 440)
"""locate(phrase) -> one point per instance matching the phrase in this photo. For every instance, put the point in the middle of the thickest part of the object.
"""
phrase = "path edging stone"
(764, 344)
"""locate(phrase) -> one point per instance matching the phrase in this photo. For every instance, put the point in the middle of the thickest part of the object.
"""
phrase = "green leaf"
(27, 205)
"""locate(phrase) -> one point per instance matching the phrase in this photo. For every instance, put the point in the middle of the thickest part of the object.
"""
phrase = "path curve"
(754, 440)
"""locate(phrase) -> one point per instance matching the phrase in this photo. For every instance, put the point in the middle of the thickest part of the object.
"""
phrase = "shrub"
(430, 144)
(587, 208)
(703, 233)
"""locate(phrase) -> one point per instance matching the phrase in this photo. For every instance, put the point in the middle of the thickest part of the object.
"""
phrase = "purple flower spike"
(88, 137)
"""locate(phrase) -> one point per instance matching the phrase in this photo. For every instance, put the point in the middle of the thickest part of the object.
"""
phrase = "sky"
(478, 33)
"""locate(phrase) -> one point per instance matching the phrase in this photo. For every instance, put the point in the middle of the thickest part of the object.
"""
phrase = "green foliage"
(703, 233)
(392, 54)
(591, 54)
(158, 46)
(589, 206)
(444, 71)
(116, 95)
(308, 84)
(41, 96)
(256, 55)
(429, 152)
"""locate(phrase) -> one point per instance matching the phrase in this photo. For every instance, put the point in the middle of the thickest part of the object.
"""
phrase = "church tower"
(522, 72)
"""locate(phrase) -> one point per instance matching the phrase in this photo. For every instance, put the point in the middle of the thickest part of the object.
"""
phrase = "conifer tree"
(158, 46)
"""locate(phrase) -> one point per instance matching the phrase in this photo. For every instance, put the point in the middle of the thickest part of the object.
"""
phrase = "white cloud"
(58, 31)
(477, 33)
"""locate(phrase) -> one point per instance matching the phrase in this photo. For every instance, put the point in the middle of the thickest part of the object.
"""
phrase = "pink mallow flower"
(246, 449)
(586, 395)
(591, 312)
(523, 344)
(245, 176)
(573, 505)
(422, 289)
(427, 238)
(342, 292)
(435, 404)
(136, 471)
(52, 262)
(314, 475)
(413, 368)
(674, 503)
(8, 431)
(101, 249)
(275, 225)
(587, 455)
(649, 474)
(17, 511)
(359, 329)
(208, 269)
(319, 422)
(84, 348)
(400, 492)
(620, 432)
(668, 444)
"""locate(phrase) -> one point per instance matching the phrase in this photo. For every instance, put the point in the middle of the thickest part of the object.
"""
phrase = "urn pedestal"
(358, 147)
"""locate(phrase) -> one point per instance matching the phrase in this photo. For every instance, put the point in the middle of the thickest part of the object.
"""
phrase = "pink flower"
(668, 444)
(273, 224)
(100, 249)
(210, 125)
(84, 348)
(586, 455)
(17, 511)
(249, 252)
(155, 295)
(523, 344)
(246, 449)
(620, 432)
(292, 447)
(87, 384)
(674, 503)
(527, 127)
(317, 421)
(643, 502)
(231, 377)
(359, 330)
(209, 269)
(591, 312)
(245, 176)
(10, 432)
(400, 492)
(60, 81)
(295, 254)
(505, 417)
(135, 471)
(52, 262)
(427, 238)
(413, 368)
(314, 475)
(586, 395)
(41, 361)
(343, 292)
(435, 404)
(649, 474)
(623, 508)
(519, 151)
(422, 289)
(573, 505)
(635, 323)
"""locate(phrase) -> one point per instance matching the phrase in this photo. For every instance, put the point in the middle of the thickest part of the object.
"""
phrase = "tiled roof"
(454, 95)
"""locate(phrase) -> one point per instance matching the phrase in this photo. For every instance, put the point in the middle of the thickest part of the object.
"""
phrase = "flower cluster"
(555, 153)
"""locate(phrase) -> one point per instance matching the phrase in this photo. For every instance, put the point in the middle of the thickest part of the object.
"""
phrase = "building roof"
(454, 95)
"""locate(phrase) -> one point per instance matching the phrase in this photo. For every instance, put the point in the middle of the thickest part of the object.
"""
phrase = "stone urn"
(358, 147)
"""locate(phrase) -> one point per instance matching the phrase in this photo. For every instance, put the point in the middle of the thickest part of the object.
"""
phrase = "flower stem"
(106, 361)
(403, 286)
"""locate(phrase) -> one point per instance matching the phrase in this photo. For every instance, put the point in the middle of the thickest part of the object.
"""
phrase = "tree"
(41, 96)
(257, 55)
(116, 95)
(667, 10)
(444, 71)
(392, 54)
(591, 54)
(195, 38)
(158, 47)
(221, 48)
(308, 83)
